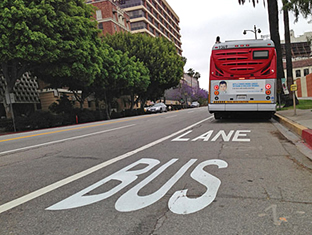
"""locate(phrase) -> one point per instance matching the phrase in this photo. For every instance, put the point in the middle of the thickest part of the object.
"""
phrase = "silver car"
(194, 104)
(157, 108)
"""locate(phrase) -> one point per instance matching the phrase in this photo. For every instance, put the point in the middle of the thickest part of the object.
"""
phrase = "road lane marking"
(171, 116)
(49, 188)
(178, 203)
(63, 140)
(70, 129)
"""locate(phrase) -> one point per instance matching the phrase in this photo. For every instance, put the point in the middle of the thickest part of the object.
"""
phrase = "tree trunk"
(132, 101)
(80, 99)
(6, 104)
(106, 106)
(274, 31)
(289, 68)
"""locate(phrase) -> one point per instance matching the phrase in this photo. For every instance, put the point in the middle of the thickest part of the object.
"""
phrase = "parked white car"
(194, 104)
(157, 108)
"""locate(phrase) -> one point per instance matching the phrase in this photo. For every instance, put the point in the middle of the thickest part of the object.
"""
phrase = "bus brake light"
(216, 87)
(268, 86)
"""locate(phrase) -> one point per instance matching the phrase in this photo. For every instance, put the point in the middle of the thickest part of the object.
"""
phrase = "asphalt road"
(172, 173)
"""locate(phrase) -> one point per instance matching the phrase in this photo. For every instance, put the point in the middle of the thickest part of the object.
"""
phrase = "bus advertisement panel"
(242, 78)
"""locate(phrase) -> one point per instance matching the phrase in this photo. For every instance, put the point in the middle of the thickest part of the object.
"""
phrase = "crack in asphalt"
(159, 222)
(227, 196)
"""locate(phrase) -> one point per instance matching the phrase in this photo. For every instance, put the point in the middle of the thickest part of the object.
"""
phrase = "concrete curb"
(307, 136)
(302, 131)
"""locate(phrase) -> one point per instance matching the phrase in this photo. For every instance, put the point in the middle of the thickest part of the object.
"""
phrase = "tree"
(297, 7)
(158, 55)
(120, 75)
(191, 72)
(274, 32)
(49, 38)
(289, 67)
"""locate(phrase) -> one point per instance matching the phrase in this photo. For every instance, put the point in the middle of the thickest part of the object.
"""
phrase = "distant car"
(157, 108)
(194, 104)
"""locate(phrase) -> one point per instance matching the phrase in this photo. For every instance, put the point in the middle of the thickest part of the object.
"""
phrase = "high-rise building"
(110, 17)
(154, 17)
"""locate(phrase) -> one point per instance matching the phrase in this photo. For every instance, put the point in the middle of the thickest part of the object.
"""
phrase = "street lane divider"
(63, 140)
(69, 129)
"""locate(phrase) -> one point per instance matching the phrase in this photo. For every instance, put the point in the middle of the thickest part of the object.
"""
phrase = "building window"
(305, 72)
(136, 14)
(131, 3)
(98, 14)
(100, 25)
(150, 18)
(138, 25)
(298, 73)
(151, 29)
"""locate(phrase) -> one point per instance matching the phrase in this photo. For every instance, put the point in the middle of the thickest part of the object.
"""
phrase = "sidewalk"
(301, 123)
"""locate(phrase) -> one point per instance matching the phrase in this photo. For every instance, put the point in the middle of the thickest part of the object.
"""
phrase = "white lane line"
(62, 140)
(171, 116)
(49, 188)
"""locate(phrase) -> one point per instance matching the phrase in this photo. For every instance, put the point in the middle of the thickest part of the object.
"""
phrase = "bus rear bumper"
(241, 107)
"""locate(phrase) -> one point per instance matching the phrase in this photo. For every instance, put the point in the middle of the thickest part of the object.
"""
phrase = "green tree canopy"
(51, 38)
(159, 55)
(120, 75)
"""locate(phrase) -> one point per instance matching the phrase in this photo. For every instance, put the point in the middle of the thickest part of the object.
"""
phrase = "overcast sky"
(202, 20)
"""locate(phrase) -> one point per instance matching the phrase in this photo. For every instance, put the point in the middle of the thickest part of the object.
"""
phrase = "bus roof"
(243, 44)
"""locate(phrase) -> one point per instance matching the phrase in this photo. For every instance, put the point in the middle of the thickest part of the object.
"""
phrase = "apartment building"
(301, 46)
(110, 17)
(302, 73)
(153, 17)
(301, 50)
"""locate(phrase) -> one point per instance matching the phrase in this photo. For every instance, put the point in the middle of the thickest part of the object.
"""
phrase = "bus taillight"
(268, 86)
(216, 87)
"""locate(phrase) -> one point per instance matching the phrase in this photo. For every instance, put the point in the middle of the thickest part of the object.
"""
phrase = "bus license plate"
(241, 97)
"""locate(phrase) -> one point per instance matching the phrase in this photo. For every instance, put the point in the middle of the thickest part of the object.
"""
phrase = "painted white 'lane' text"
(236, 136)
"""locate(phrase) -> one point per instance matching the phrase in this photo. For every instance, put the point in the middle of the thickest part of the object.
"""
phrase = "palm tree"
(275, 36)
(191, 72)
(289, 68)
(298, 7)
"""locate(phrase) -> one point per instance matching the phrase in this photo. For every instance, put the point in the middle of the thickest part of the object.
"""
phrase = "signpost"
(294, 88)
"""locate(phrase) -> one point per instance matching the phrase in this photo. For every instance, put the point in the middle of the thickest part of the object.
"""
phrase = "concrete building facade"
(110, 17)
(154, 17)
(302, 71)
(24, 97)
(301, 49)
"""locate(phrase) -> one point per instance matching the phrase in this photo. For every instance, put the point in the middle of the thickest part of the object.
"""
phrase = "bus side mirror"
(244, 32)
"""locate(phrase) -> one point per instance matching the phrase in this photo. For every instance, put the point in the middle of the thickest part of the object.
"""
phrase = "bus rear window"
(260, 54)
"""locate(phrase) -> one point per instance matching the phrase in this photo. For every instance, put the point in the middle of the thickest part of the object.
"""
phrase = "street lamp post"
(255, 31)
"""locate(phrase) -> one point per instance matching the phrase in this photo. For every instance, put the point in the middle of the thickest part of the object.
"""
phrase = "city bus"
(242, 78)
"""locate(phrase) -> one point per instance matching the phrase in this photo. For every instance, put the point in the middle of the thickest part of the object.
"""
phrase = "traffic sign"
(293, 87)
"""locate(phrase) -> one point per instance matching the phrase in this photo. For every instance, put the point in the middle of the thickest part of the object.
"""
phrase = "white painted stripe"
(49, 188)
(62, 140)
(171, 116)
